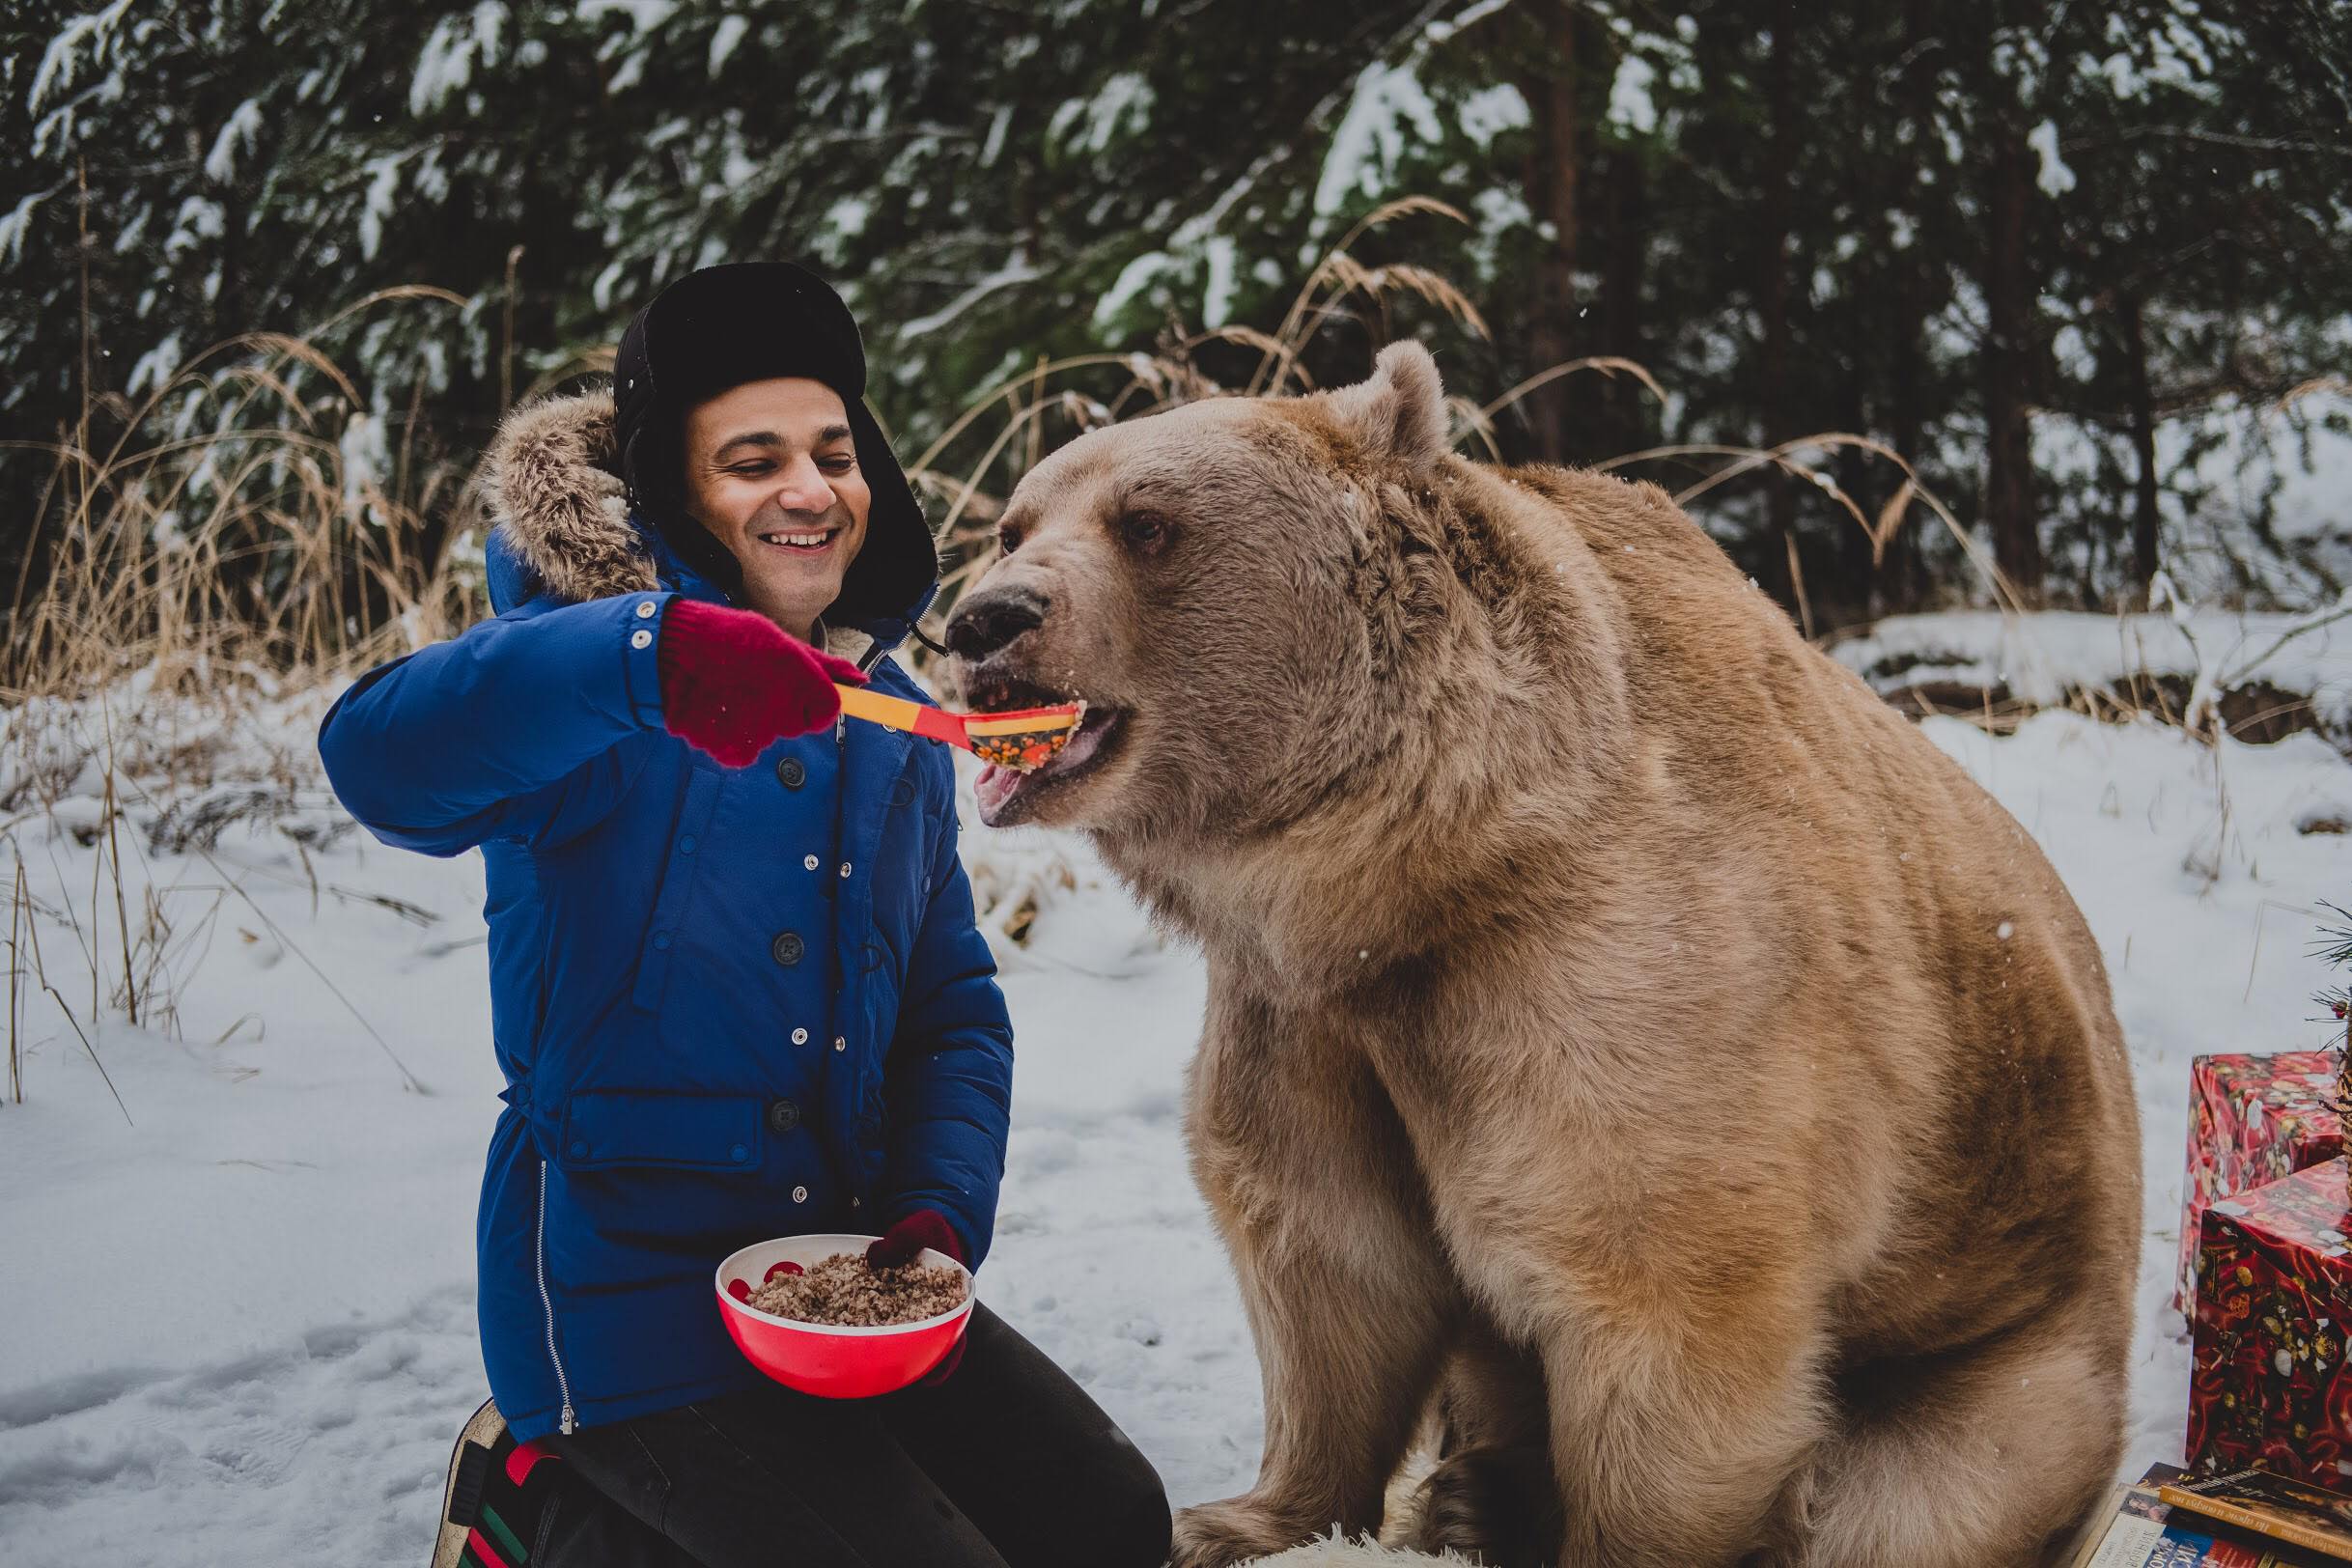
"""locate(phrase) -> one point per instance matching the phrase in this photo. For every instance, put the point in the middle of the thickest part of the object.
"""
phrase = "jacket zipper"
(561, 1385)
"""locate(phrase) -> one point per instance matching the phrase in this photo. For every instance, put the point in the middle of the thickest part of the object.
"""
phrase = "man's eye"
(838, 465)
(752, 471)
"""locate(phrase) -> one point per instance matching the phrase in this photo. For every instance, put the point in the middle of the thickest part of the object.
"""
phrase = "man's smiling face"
(771, 471)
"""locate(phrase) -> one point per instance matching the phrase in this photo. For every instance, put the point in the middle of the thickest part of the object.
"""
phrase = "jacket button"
(809, 862)
(579, 1148)
(640, 638)
(791, 773)
(661, 941)
(799, 1037)
(645, 609)
(782, 1117)
(800, 1194)
(739, 1153)
(845, 868)
(840, 1044)
(788, 947)
(685, 845)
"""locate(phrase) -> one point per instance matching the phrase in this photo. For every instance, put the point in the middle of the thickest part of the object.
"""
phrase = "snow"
(1216, 295)
(155, 368)
(452, 49)
(19, 222)
(382, 172)
(1121, 107)
(993, 144)
(1134, 278)
(644, 15)
(1445, 27)
(1389, 105)
(1491, 110)
(243, 126)
(1017, 268)
(1630, 104)
(60, 62)
(2055, 178)
(724, 37)
(240, 1326)
(366, 450)
(2049, 657)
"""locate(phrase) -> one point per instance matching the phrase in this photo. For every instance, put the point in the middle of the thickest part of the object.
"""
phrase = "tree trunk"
(1623, 417)
(1551, 178)
(2007, 368)
(2144, 510)
(1772, 295)
(1904, 572)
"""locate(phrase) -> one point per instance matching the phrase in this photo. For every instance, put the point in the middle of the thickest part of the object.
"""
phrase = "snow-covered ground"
(235, 1323)
(2052, 657)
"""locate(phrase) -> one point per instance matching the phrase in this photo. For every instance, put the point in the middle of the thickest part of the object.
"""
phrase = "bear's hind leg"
(1996, 1455)
(1492, 1497)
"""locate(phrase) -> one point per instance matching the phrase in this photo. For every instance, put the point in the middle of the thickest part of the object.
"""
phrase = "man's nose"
(988, 620)
(803, 487)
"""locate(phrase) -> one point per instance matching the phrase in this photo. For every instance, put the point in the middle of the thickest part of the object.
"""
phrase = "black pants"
(1005, 1462)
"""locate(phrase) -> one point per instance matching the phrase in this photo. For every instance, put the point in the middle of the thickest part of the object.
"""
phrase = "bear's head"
(1229, 586)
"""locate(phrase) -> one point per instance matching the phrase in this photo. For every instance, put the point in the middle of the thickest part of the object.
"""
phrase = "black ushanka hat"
(752, 322)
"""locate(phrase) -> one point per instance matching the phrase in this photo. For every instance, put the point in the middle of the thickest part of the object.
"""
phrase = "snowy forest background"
(2088, 268)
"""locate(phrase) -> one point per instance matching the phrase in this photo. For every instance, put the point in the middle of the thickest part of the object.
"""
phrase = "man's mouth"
(1001, 793)
(801, 540)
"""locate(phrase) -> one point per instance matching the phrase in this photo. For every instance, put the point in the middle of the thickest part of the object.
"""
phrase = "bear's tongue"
(994, 786)
(994, 789)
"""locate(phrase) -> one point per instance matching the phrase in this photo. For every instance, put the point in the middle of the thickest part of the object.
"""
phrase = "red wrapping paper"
(2268, 1383)
(2252, 1120)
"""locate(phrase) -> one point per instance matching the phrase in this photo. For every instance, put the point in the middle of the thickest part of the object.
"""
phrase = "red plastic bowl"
(819, 1359)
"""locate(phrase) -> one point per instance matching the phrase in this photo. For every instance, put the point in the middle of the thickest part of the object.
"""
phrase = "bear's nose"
(986, 622)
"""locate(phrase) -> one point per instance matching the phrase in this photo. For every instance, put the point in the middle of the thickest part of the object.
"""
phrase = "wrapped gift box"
(2252, 1120)
(2268, 1385)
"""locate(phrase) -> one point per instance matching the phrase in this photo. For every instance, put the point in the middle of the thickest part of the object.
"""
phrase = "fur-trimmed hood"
(562, 522)
(558, 503)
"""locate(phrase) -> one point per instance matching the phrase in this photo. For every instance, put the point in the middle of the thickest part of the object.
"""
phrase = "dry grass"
(974, 463)
(252, 555)
(219, 552)
(222, 552)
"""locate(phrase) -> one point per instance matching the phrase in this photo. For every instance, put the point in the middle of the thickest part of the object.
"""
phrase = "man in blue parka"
(736, 990)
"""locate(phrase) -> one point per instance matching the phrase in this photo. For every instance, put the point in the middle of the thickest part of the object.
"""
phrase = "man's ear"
(1401, 411)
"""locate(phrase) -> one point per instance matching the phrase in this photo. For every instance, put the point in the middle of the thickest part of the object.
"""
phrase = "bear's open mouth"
(998, 788)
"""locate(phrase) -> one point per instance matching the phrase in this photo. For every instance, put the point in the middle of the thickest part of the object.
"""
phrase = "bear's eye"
(1147, 531)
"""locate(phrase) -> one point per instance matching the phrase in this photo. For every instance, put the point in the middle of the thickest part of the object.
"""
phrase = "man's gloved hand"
(909, 1235)
(733, 681)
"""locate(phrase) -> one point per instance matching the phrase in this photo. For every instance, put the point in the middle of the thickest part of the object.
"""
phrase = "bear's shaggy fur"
(1624, 1031)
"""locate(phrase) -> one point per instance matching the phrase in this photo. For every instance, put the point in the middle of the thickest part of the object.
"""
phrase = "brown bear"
(1623, 1029)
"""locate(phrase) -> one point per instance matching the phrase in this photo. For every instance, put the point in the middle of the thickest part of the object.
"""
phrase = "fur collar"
(557, 500)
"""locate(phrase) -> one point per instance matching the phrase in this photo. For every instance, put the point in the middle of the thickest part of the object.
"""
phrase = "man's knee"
(1132, 1505)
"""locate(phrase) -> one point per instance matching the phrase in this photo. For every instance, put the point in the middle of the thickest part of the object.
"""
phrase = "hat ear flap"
(1400, 411)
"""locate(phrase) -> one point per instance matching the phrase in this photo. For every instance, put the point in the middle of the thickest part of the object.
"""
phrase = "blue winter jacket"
(730, 1003)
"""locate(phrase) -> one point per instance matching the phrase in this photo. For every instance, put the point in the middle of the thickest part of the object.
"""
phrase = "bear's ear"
(1401, 411)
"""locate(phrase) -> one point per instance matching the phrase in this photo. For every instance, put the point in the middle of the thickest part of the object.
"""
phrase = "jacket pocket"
(607, 1127)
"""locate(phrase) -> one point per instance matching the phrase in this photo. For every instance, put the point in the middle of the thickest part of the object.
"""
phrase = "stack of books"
(2247, 1519)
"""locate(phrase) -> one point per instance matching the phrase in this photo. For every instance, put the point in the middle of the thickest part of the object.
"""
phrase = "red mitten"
(733, 682)
(913, 1232)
